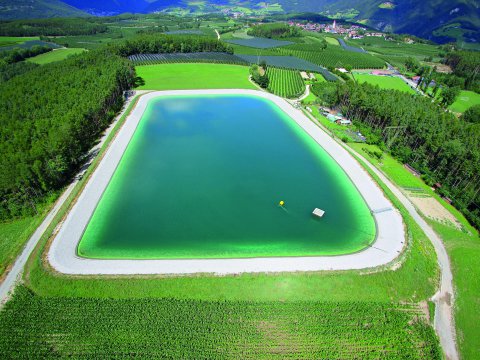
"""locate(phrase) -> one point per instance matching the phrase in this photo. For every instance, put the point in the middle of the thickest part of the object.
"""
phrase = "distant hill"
(109, 7)
(27, 9)
(439, 20)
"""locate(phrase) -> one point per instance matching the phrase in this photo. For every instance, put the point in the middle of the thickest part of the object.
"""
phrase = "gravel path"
(390, 228)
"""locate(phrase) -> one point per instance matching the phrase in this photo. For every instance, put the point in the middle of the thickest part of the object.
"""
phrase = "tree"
(449, 95)
(472, 115)
(323, 44)
(260, 76)
(412, 64)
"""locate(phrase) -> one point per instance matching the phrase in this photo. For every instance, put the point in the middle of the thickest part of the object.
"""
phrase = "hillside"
(22, 9)
(438, 20)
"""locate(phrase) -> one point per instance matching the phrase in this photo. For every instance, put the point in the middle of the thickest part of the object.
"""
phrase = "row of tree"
(155, 44)
(49, 117)
(274, 30)
(52, 27)
(19, 54)
(442, 147)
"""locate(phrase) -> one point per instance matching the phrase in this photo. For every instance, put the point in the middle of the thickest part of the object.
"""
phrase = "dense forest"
(443, 148)
(51, 27)
(8, 71)
(49, 117)
(276, 30)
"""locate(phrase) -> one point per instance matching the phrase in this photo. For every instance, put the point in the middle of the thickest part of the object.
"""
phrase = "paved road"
(16, 271)
(444, 298)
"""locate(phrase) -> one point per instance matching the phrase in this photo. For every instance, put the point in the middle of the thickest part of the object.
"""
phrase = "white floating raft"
(318, 212)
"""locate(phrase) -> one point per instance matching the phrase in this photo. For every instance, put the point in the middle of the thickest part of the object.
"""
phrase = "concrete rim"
(387, 246)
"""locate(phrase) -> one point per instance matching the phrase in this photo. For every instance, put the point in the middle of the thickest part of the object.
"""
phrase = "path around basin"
(444, 298)
(389, 243)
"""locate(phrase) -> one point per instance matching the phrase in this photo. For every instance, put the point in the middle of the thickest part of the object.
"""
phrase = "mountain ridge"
(438, 20)
(28, 9)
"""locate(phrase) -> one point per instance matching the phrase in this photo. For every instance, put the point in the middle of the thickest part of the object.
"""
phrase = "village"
(351, 31)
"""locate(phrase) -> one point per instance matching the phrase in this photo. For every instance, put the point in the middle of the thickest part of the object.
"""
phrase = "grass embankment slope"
(194, 76)
(384, 82)
(465, 100)
(54, 55)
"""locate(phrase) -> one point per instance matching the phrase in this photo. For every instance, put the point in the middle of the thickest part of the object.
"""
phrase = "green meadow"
(465, 100)
(384, 82)
(55, 55)
(194, 76)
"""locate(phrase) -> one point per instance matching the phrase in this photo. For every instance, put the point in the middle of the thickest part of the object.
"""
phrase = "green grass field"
(55, 55)
(384, 82)
(194, 76)
(465, 100)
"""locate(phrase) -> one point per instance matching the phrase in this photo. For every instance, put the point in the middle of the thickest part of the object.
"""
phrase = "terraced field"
(285, 83)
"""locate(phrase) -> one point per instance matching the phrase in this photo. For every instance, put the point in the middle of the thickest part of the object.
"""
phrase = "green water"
(202, 178)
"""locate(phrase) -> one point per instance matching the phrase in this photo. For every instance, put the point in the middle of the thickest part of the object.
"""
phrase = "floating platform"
(318, 212)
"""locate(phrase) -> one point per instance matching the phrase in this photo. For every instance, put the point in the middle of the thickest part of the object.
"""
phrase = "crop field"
(395, 52)
(194, 76)
(333, 56)
(285, 83)
(465, 100)
(385, 82)
(207, 57)
(56, 55)
(42, 327)
(259, 43)
(289, 62)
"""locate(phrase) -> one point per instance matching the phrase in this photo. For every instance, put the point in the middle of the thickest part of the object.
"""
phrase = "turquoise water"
(202, 178)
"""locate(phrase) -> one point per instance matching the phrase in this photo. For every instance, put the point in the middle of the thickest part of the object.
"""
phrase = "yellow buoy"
(281, 203)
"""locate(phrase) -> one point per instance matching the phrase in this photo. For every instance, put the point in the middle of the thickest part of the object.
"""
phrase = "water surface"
(202, 178)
